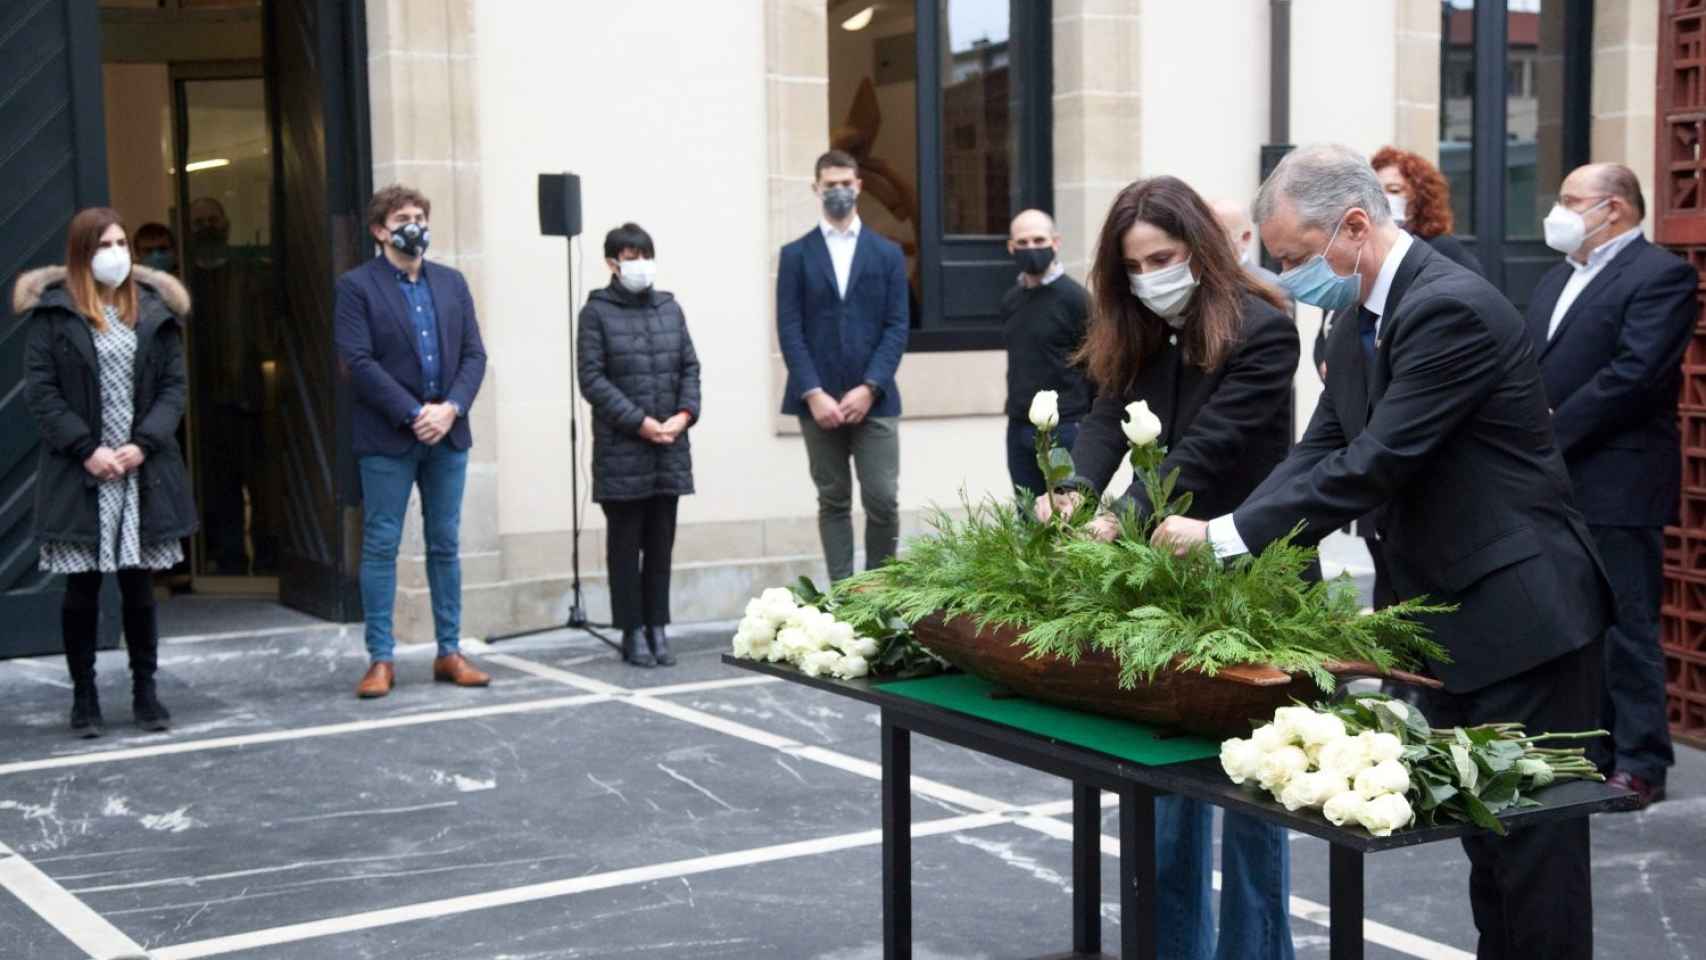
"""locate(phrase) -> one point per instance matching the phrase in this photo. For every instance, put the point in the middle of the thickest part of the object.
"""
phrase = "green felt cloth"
(1125, 739)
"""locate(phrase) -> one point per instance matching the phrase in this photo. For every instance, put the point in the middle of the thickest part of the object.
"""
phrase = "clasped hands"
(665, 433)
(1182, 533)
(851, 409)
(108, 464)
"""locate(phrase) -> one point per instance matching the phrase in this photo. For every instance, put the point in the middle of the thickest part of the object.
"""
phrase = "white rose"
(819, 662)
(1240, 759)
(1277, 768)
(795, 644)
(1269, 738)
(1140, 426)
(1312, 790)
(864, 647)
(841, 635)
(1320, 729)
(1381, 747)
(1346, 757)
(1537, 768)
(778, 596)
(742, 645)
(1388, 777)
(1384, 814)
(852, 667)
(1045, 410)
(1293, 721)
(1342, 808)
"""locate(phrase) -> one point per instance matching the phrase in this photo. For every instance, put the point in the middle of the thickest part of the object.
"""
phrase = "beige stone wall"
(1625, 79)
(1097, 116)
(1416, 68)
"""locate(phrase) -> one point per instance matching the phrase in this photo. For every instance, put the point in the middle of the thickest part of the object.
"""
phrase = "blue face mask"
(1316, 284)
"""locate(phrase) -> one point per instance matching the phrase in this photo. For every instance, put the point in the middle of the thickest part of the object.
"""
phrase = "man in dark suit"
(1610, 324)
(410, 344)
(1434, 411)
(841, 318)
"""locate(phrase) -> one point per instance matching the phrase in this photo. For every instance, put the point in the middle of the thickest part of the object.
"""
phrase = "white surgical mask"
(1400, 207)
(110, 265)
(1165, 291)
(1566, 230)
(636, 276)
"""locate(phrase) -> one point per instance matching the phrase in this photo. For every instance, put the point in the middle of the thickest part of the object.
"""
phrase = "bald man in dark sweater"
(1043, 319)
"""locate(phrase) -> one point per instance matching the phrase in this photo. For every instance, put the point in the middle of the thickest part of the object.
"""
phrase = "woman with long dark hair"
(104, 374)
(1175, 321)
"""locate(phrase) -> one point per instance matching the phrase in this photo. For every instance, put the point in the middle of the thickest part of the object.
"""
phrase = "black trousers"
(638, 543)
(1634, 701)
(83, 590)
(1532, 891)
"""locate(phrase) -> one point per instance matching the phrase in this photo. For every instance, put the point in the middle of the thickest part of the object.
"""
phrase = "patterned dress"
(120, 546)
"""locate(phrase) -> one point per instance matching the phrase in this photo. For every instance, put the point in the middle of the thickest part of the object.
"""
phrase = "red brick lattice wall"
(1680, 224)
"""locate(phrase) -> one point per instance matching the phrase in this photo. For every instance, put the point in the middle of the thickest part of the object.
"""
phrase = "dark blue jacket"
(377, 346)
(1612, 372)
(833, 344)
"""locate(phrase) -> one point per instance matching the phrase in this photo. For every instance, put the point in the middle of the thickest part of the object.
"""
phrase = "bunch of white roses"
(779, 629)
(1306, 758)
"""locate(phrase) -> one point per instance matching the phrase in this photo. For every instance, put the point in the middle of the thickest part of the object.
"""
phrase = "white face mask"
(636, 276)
(1400, 207)
(1165, 291)
(110, 265)
(1566, 230)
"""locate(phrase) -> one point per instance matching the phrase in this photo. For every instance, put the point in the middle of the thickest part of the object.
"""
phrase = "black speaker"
(560, 204)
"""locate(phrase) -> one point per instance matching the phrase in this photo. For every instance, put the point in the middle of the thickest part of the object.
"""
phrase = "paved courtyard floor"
(579, 808)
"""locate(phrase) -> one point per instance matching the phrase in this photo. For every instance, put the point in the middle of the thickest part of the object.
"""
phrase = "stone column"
(1625, 73)
(420, 66)
(1417, 80)
(1096, 117)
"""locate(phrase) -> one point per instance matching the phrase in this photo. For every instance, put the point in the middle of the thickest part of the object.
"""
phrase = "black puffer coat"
(63, 385)
(637, 361)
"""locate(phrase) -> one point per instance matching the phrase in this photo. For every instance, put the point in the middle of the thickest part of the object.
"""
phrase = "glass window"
(1457, 108)
(1534, 114)
(979, 154)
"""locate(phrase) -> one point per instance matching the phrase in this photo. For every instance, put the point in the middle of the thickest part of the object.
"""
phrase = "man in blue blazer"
(1610, 325)
(841, 318)
(410, 344)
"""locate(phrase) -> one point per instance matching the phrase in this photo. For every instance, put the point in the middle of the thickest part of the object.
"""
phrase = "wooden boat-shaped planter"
(1219, 706)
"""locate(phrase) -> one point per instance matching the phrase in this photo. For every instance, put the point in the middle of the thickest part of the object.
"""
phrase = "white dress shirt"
(842, 243)
(1583, 273)
(1222, 532)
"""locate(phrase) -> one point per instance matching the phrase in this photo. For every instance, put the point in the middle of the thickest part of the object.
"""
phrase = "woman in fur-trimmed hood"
(105, 379)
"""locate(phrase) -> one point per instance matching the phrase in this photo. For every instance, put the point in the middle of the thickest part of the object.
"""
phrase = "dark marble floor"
(557, 815)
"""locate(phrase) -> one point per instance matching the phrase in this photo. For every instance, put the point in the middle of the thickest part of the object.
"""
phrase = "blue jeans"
(1255, 885)
(386, 483)
(1022, 452)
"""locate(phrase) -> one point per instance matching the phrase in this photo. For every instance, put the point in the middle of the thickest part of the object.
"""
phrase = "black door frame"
(1514, 266)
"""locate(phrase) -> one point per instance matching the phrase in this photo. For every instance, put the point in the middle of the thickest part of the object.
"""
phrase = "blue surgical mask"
(1316, 284)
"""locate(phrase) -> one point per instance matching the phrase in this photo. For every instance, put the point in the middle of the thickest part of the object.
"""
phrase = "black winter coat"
(64, 393)
(636, 360)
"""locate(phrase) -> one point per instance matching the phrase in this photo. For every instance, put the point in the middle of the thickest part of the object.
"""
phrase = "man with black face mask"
(1043, 319)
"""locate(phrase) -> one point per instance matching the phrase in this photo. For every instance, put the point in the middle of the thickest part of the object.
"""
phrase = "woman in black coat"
(104, 373)
(638, 370)
(1177, 323)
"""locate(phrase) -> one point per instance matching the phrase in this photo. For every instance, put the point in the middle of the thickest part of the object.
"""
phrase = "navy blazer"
(836, 344)
(1612, 373)
(380, 354)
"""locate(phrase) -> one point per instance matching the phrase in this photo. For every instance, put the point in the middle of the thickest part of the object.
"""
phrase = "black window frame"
(940, 255)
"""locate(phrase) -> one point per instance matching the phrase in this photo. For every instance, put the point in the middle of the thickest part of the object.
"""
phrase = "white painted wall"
(671, 134)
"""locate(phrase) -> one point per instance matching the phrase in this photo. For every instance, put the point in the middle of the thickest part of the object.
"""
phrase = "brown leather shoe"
(456, 669)
(1647, 793)
(378, 681)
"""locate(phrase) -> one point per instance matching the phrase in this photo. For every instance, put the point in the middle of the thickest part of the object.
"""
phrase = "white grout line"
(701, 686)
(1399, 940)
(434, 909)
(70, 916)
(314, 629)
(300, 733)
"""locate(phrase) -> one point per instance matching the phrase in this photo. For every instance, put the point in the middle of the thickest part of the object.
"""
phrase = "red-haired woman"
(1421, 201)
(1177, 322)
(104, 368)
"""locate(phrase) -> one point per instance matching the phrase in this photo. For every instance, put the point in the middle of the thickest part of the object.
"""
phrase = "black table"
(1091, 772)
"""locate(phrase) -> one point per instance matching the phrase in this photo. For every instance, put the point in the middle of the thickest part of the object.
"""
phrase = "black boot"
(634, 650)
(658, 640)
(142, 639)
(78, 629)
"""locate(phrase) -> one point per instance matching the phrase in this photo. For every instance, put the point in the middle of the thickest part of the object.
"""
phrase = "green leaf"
(1060, 467)
(1480, 815)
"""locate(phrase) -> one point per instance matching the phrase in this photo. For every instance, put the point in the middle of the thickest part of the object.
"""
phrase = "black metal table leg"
(1344, 890)
(1137, 873)
(1086, 869)
(897, 841)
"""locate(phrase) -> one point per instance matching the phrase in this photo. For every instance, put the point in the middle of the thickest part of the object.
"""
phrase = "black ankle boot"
(634, 649)
(142, 639)
(77, 631)
(658, 641)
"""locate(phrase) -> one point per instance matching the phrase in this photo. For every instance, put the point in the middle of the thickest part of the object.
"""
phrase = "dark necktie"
(1366, 320)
